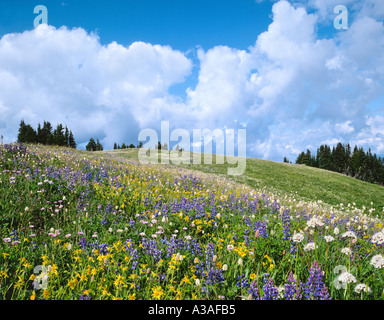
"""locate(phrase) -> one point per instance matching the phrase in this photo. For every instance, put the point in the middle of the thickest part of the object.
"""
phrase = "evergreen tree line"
(61, 136)
(94, 146)
(126, 146)
(159, 146)
(357, 163)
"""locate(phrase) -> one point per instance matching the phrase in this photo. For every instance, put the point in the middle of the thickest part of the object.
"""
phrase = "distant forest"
(357, 163)
(61, 136)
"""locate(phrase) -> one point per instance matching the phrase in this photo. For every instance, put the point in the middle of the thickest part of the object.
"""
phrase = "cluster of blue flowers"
(208, 269)
(314, 288)
(286, 224)
(150, 248)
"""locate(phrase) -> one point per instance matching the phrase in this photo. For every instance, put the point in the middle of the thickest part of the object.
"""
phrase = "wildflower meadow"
(80, 225)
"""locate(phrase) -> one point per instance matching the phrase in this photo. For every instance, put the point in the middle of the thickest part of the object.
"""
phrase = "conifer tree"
(358, 164)
(71, 140)
(91, 146)
(66, 136)
(58, 136)
(26, 133)
(99, 146)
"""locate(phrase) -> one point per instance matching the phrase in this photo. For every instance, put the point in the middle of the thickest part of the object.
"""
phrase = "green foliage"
(302, 182)
(359, 164)
(46, 135)
(108, 228)
(91, 146)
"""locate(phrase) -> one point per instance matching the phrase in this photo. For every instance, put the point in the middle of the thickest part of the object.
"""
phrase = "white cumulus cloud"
(290, 89)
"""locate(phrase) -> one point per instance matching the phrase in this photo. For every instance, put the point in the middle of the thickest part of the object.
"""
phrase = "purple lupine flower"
(207, 268)
(151, 248)
(293, 249)
(286, 224)
(314, 288)
(254, 291)
(215, 275)
(292, 289)
(246, 240)
(83, 243)
(262, 227)
(85, 297)
(270, 290)
(242, 281)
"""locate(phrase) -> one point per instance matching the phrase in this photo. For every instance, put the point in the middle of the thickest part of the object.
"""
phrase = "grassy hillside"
(101, 225)
(304, 182)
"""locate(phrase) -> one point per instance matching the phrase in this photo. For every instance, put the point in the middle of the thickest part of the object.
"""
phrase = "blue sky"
(182, 24)
(279, 69)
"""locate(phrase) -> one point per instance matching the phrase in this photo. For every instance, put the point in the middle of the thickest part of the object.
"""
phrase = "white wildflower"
(349, 234)
(336, 231)
(314, 221)
(377, 261)
(297, 237)
(346, 251)
(362, 287)
(378, 238)
(347, 277)
(329, 238)
(230, 247)
(310, 246)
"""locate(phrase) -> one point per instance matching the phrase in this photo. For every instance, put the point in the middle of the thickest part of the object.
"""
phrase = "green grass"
(102, 224)
(303, 182)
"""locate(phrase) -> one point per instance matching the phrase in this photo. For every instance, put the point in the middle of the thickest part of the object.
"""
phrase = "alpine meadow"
(205, 151)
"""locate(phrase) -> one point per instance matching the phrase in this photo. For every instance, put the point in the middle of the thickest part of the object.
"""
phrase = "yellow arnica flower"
(72, 284)
(33, 296)
(105, 291)
(132, 296)
(45, 294)
(157, 292)
(119, 281)
(83, 277)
